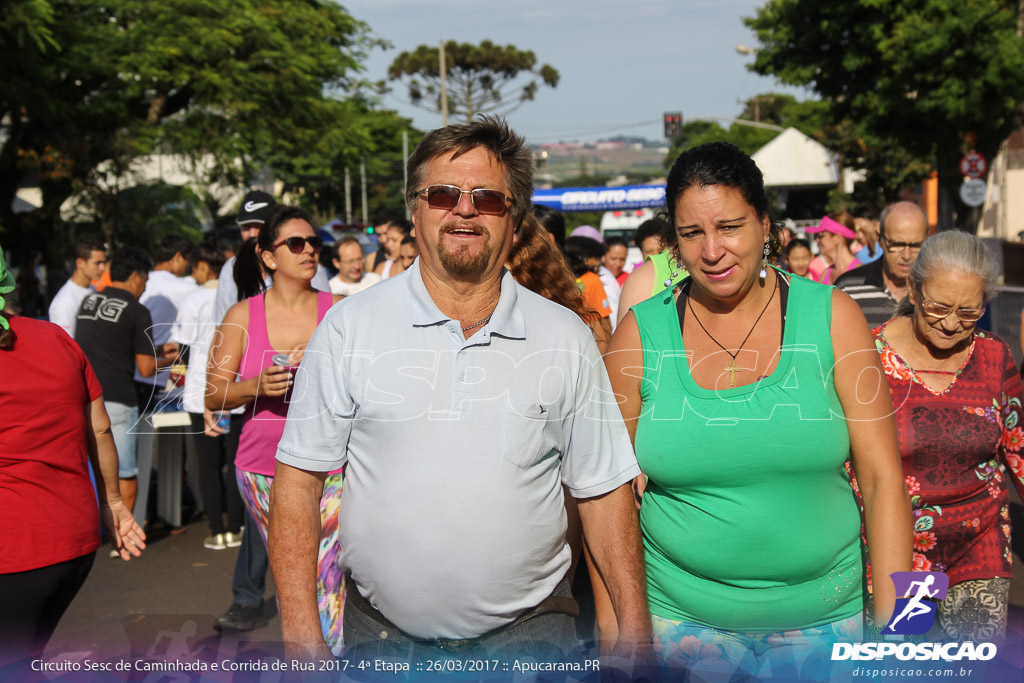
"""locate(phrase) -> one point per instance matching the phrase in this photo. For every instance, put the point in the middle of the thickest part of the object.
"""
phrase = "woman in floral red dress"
(957, 395)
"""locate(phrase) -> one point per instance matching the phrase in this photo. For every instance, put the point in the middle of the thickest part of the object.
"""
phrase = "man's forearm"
(294, 539)
(612, 532)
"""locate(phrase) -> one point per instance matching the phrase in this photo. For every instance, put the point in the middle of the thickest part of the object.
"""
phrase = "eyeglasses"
(942, 311)
(447, 197)
(897, 247)
(297, 244)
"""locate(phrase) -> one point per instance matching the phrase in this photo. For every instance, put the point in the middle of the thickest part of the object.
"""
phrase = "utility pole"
(405, 169)
(348, 197)
(362, 175)
(444, 86)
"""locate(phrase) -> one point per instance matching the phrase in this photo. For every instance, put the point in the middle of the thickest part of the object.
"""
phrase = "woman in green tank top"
(743, 418)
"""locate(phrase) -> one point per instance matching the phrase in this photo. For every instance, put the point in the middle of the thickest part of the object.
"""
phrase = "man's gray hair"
(952, 251)
(493, 134)
(883, 217)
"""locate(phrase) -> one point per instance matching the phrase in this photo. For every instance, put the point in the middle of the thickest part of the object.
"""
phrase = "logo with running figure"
(917, 597)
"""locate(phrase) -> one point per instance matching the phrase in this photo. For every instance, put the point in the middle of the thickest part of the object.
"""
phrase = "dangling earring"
(764, 262)
(675, 272)
(671, 278)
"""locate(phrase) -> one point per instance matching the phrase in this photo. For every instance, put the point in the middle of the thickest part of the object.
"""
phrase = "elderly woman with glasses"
(958, 408)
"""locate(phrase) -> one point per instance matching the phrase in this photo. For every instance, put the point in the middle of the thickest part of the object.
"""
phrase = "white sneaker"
(215, 542)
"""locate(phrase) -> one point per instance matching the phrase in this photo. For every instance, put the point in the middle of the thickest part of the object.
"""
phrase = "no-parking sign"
(973, 165)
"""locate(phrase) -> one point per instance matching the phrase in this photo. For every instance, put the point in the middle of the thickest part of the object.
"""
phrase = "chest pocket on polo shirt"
(531, 433)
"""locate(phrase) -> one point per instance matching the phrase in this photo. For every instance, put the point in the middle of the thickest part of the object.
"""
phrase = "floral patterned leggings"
(729, 655)
(330, 588)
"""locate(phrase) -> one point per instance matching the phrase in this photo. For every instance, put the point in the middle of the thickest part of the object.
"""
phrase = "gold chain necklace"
(732, 368)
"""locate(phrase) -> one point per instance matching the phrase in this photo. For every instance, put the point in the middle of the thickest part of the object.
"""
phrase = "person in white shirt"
(165, 291)
(348, 259)
(195, 328)
(452, 522)
(90, 264)
(397, 231)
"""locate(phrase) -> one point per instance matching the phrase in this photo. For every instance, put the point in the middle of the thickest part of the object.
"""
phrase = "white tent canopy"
(794, 160)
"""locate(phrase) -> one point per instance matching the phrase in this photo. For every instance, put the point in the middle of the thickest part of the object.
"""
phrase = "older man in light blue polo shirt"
(459, 402)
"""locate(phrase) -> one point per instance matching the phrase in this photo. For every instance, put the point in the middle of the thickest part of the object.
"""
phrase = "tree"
(481, 78)
(318, 178)
(928, 76)
(236, 86)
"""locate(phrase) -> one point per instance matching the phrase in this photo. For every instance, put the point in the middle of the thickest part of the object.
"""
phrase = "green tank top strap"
(808, 308)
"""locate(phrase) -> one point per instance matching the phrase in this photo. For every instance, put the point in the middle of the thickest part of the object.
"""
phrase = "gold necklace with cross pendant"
(732, 368)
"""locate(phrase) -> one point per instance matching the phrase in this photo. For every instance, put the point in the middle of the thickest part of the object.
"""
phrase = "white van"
(623, 223)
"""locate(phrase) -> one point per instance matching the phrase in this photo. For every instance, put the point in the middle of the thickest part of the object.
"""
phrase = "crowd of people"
(421, 441)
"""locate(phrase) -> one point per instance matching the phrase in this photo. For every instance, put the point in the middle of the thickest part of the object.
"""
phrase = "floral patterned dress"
(952, 444)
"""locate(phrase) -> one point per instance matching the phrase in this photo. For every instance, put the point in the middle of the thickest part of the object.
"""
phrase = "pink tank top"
(827, 273)
(265, 416)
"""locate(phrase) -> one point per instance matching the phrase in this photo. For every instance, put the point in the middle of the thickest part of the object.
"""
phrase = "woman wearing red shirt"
(54, 424)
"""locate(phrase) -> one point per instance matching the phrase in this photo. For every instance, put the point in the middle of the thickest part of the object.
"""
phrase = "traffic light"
(673, 124)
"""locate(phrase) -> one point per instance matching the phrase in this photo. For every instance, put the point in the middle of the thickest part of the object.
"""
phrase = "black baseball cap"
(257, 206)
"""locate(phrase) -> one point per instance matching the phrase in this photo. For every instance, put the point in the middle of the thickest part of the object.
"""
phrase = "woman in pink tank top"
(267, 324)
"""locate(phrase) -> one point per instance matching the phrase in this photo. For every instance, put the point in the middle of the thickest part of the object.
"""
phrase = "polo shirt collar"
(506, 321)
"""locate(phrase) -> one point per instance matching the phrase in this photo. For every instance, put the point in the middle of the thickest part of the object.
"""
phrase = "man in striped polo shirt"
(878, 286)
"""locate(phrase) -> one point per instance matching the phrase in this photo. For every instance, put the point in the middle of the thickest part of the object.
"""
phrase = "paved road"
(163, 604)
(143, 607)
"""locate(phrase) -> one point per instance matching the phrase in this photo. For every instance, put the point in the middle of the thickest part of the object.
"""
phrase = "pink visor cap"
(829, 225)
(588, 231)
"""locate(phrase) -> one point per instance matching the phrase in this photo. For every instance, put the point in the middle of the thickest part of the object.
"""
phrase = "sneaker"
(215, 542)
(240, 618)
(233, 540)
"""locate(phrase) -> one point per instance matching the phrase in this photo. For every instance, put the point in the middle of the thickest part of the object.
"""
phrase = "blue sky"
(622, 63)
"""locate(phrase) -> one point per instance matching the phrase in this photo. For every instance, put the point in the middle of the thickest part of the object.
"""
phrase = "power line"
(595, 131)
